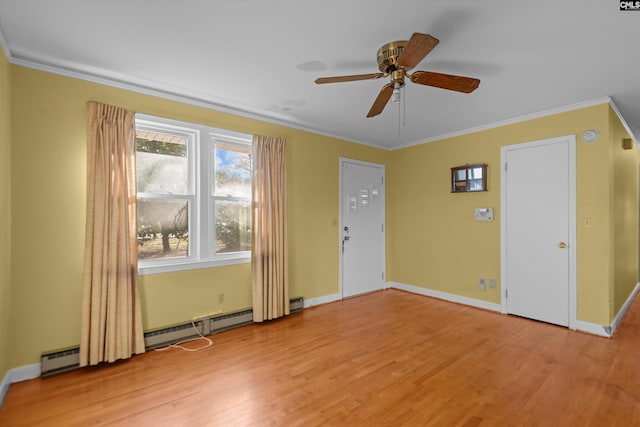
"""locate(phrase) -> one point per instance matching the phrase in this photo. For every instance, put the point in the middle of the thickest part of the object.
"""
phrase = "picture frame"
(469, 178)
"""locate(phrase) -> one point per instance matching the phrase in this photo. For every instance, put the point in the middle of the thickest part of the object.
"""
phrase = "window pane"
(161, 163)
(233, 226)
(475, 173)
(163, 228)
(232, 171)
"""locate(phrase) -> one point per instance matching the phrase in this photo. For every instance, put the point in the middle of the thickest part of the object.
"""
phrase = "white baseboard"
(446, 296)
(593, 328)
(321, 300)
(4, 387)
(16, 375)
(624, 308)
(30, 372)
(608, 331)
(416, 290)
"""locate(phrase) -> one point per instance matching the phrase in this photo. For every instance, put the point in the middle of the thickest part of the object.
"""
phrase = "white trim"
(624, 308)
(16, 375)
(24, 373)
(144, 270)
(573, 234)
(340, 226)
(608, 331)
(446, 296)
(5, 48)
(164, 91)
(592, 328)
(624, 122)
(342, 161)
(501, 123)
(571, 140)
(200, 142)
(4, 388)
(325, 299)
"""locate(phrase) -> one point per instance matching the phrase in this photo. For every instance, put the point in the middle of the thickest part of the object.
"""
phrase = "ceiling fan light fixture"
(395, 96)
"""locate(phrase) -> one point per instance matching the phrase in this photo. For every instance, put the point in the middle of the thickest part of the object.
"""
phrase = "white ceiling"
(260, 58)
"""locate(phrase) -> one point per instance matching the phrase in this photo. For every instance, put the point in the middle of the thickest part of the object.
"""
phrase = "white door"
(538, 224)
(362, 227)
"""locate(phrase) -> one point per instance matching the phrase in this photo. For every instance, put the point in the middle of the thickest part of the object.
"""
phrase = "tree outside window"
(232, 197)
(194, 195)
(162, 177)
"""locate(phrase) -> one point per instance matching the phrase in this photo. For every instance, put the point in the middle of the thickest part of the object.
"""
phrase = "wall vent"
(55, 362)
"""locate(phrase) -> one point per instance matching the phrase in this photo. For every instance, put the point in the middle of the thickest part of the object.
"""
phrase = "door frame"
(571, 141)
(342, 161)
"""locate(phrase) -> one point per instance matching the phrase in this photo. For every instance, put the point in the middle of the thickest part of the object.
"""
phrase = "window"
(232, 197)
(194, 195)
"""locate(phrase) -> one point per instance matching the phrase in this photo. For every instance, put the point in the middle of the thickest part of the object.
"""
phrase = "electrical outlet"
(221, 299)
(482, 285)
(492, 283)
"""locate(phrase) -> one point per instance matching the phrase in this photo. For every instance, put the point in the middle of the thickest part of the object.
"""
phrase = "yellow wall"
(435, 243)
(432, 241)
(49, 166)
(5, 213)
(626, 164)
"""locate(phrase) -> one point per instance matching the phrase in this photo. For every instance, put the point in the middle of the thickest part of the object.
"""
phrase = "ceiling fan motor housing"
(388, 56)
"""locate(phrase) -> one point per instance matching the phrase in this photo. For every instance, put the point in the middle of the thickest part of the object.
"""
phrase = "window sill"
(144, 270)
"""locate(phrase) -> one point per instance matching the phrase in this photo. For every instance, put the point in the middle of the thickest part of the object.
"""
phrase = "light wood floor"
(384, 359)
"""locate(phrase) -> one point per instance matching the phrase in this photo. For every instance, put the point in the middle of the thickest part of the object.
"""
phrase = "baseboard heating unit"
(59, 361)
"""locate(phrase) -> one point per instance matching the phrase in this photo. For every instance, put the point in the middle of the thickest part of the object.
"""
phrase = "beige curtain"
(111, 318)
(269, 236)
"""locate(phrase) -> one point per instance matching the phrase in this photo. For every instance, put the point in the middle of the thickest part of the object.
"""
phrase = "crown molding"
(172, 93)
(517, 119)
(5, 46)
(614, 107)
(161, 90)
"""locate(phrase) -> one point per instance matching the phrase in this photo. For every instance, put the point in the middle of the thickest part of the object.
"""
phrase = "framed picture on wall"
(469, 178)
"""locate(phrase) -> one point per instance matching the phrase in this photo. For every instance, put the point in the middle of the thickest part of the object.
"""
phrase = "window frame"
(200, 154)
(231, 139)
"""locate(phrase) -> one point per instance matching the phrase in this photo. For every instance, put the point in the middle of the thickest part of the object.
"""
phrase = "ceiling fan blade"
(381, 100)
(417, 48)
(445, 81)
(340, 79)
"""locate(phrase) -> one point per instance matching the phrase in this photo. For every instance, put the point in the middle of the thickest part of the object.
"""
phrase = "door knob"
(562, 245)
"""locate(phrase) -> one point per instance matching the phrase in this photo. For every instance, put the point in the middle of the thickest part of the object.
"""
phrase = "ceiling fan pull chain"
(404, 117)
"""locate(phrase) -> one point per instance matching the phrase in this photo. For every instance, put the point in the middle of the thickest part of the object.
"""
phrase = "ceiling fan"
(395, 59)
